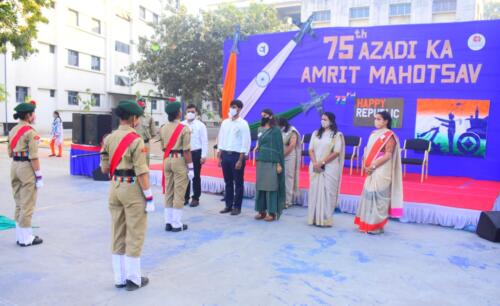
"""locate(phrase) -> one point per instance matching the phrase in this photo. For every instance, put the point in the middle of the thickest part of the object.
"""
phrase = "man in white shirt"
(233, 144)
(199, 149)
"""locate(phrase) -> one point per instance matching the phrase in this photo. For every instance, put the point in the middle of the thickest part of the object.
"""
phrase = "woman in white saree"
(326, 150)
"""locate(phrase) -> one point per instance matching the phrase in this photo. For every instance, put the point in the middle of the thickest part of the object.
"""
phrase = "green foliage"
(184, 56)
(3, 93)
(88, 103)
(492, 10)
(18, 21)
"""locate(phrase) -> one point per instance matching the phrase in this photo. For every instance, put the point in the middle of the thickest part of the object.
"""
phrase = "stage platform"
(447, 201)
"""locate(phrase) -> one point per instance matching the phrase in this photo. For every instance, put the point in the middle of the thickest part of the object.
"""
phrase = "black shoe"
(236, 211)
(120, 286)
(168, 227)
(186, 202)
(36, 241)
(180, 229)
(194, 203)
(131, 286)
(225, 210)
(223, 200)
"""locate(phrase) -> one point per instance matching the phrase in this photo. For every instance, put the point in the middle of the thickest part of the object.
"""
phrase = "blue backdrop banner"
(354, 72)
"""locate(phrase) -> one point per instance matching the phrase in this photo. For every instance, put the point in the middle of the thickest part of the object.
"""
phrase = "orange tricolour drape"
(229, 84)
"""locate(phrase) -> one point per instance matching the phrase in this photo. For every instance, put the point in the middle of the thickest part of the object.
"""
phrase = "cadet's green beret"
(172, 107)
(26, 107)
(131, 107)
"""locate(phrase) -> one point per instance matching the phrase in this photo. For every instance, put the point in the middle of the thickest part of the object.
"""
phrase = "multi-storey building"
(82, 54)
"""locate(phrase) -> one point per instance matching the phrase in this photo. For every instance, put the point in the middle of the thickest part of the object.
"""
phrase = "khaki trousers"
(128, 218)
(176, 182)
(147, 146)
(23, 187)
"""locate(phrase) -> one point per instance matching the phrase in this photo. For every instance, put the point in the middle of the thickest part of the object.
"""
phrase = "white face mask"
(232, 112)
(325, 123)
(190, 116)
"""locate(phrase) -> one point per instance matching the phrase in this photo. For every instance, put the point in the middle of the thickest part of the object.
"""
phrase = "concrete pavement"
(226, 260)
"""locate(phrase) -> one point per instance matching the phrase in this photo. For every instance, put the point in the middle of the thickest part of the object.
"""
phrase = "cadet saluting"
(130, 197)
(146, 128)
(25, 173)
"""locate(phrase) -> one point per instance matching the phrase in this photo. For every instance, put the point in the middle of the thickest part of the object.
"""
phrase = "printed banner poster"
(453, 126)
(366, 108)
(301, 74)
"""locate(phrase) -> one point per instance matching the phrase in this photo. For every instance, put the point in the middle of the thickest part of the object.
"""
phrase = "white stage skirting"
(457, 218)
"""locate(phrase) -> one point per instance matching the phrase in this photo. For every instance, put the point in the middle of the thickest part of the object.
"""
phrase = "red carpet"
(459, 192)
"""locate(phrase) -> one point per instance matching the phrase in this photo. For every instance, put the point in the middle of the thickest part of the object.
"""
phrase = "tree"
(184, 56)
(492, 10)
(88, 103)
(3, 93)
(18, 21)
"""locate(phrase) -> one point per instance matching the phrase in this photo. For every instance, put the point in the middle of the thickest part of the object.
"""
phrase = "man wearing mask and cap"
(233, 144)
(199, 148)
(146, 128)
(25, 174)
(175, 140)
(123, 156)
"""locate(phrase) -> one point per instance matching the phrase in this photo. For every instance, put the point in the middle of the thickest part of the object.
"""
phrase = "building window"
(122, 47)
(359, 12)
(96, 98)
(439, 6)
(400, 9)
(142, 12)
(155, 18)
(154, 104)
(72, 98)
(52, 93)
(73, 18)
(21, 94)
(96, 26)
(322, 16)
(96, 63)
(72, 58)
(122, 80)
(52, 49)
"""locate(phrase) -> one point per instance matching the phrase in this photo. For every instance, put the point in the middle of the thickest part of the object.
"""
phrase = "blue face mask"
(232, 112)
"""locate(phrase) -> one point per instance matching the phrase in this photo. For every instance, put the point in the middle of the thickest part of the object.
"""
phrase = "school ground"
(234, 260)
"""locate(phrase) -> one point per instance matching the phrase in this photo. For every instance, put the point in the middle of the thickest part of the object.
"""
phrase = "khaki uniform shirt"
(26, 143)
(146, 128)
(184, 140)
(134, 157)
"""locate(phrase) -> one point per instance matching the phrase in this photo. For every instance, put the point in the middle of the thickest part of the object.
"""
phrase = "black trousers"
(233, 179)
(196, 156)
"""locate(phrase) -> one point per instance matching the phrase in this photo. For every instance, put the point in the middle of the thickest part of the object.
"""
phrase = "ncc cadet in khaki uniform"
(25, 173)
(177, 166)
(146, 129)
(123, 156)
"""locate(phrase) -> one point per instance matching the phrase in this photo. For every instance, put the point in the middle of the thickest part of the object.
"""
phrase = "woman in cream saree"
(293, 150)
(383, 189)
(326, 150)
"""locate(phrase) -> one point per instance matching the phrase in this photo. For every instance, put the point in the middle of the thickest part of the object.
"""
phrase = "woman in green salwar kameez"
(270, 183)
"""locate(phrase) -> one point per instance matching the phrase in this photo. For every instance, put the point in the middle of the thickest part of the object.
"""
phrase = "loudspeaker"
(115, 120)
(78, 128)
(97, 175)
(96, 127)
(489, 226)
